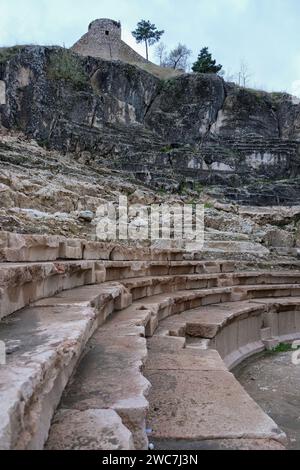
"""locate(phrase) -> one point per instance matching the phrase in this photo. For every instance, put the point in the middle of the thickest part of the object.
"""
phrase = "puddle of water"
(273, 381)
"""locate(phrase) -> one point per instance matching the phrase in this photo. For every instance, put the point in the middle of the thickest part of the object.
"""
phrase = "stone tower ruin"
(104, 40)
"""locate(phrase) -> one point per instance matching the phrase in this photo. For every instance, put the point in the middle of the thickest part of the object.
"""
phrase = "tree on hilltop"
(178, 57)
(205, 63)
(161, 53)
(148, 33)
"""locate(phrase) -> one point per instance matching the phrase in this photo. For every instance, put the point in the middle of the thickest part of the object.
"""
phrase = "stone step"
(198, 404)
(133, 269)
(17, 248)
(166, 305)
(89, 430)
(142, 287)
(24, 283)
(237, 329)
(230, 247)
(271, 290)
(110, 377)
(43, 344)
(207, 322)
(165, 344)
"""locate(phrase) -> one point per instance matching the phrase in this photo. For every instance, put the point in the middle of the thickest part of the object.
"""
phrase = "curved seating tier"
(88, 338)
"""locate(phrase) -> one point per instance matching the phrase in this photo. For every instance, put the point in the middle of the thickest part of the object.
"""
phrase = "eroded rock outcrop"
(172, 134)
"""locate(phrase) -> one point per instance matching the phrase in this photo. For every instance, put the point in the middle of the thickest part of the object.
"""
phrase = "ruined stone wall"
(103, 40)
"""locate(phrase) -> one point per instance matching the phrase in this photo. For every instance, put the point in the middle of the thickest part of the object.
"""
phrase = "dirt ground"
(273, 381)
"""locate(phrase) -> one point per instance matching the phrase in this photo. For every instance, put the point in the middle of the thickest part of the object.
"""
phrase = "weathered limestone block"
(124, 300)
(89, 430)
(97, 250)
(100, 273)
(280, 238)
(70, 249)
(30, 248)
(236, 247)
(210, 404)
(125, 253)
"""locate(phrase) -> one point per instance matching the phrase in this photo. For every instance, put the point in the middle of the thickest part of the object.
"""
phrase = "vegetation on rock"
(64, 65)
(7, 53)
(205, 63)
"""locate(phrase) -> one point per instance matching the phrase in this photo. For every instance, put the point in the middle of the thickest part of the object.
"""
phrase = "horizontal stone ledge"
(34, 248)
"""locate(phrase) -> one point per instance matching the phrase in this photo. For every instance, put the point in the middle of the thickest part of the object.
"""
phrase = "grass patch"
(198, 188)
(163, 73)
(282, 348)
(7, 53)
(166, 149)
(162, 191)
(64, 65)
(278, 97)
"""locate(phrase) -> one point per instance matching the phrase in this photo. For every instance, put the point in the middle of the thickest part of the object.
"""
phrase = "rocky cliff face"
(188, 131)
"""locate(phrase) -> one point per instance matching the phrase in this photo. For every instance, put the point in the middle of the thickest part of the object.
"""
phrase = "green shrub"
(64, 65)
(281, 348)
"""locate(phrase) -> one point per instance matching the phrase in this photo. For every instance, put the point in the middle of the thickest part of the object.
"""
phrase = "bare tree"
(178, 57)
(229, 76)
(161, 53)
(244, 74)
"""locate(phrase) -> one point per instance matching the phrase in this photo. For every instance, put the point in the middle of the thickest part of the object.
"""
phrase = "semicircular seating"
(108, 341)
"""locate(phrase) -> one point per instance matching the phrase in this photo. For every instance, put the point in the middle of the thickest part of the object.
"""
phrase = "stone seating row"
(37, 248)
(33, 248)
(24, 283)
(84, 332)
(105, 377)
(210, 410)
(108, 379)
(237, 330)
(115, 270)
(43, 345)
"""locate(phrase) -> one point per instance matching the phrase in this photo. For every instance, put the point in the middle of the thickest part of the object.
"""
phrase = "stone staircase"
(110, 347)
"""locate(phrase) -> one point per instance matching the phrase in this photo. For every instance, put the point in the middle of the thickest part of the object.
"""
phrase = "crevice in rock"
(214, 120)
(148, 108)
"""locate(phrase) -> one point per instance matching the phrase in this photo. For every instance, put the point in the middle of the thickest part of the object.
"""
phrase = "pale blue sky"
(264, 33)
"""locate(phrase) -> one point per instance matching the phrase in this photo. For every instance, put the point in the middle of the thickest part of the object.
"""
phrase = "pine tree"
(148, 33)
(205, 63)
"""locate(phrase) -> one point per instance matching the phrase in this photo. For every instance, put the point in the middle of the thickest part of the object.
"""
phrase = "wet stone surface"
(273, 381)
